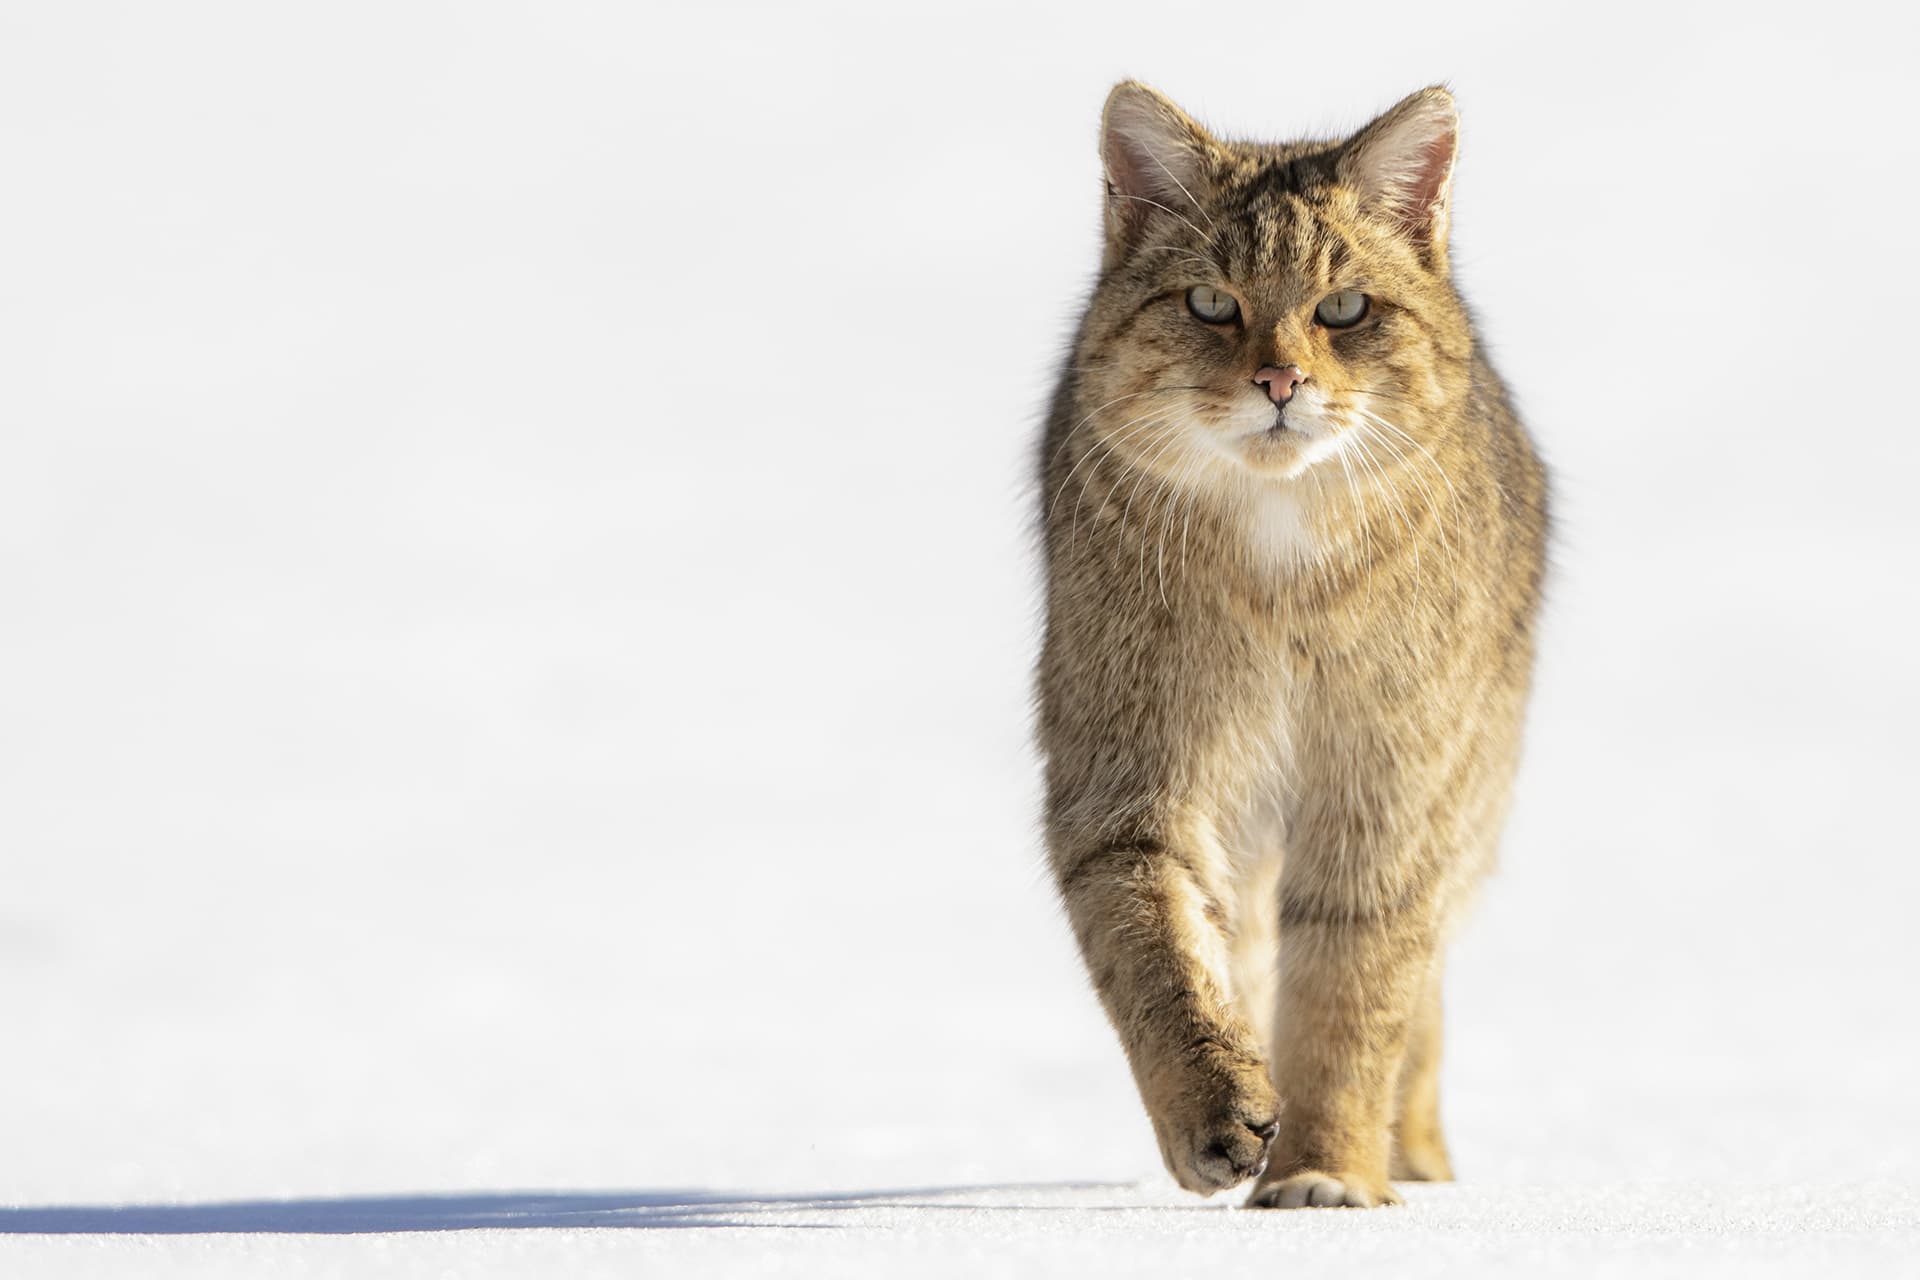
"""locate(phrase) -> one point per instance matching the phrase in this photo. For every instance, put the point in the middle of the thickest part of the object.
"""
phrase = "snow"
(518, 607)
(1043, 1229)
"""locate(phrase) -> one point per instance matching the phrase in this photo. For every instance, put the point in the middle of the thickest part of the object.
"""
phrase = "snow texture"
(513, 530)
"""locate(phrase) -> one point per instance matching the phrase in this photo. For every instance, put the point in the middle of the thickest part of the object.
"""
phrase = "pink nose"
(1280, 382)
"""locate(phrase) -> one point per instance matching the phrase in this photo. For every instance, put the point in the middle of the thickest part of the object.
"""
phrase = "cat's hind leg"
(1419, 1146)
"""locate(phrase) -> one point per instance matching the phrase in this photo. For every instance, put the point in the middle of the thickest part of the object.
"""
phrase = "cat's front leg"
(1351, 978)
(1146, 925)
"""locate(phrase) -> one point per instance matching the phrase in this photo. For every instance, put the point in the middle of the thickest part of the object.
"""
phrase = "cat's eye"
(1342, 310)
(1211, 305)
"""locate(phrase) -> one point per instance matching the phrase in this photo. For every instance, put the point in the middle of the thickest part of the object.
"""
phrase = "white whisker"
(1198, 207)
(1175, 212)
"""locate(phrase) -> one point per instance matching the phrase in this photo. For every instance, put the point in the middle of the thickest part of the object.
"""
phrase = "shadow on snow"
(496, 1210)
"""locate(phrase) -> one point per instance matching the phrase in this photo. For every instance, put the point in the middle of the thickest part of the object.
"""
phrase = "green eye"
(1341, 310)
(1211, 305)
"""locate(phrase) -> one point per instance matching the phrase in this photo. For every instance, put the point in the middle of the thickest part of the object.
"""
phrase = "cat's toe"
(1224, 1154)
(1216, 1123)
(1222, 1141)
(1314, 1190)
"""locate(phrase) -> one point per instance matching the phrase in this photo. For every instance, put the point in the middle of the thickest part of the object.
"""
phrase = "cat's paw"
(1214, 1133)
(1315, 1190)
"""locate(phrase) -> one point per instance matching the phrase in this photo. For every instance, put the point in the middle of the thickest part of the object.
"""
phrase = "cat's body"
(1293, 563)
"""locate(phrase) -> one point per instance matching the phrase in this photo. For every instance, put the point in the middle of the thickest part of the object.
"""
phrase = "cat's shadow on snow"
(513, 1210)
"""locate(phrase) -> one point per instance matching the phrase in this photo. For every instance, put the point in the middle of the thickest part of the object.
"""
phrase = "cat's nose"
(1280, 381)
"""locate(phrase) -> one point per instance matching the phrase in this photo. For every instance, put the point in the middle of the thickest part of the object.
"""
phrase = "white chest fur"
(1278, 532)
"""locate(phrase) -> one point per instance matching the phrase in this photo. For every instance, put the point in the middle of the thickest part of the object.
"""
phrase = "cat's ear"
(1402, 165)
(1155, 158)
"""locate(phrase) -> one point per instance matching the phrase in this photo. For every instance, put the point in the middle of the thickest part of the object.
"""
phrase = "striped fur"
(1284, 672)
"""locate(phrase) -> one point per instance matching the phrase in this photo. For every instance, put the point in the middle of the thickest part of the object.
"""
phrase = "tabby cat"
(1294, 537)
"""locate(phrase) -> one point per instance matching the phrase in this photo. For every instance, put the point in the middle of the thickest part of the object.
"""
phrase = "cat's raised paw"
(1218, 1139)
(1312, 1190)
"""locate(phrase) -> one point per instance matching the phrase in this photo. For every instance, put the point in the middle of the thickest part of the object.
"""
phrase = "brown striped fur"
(1282, 685)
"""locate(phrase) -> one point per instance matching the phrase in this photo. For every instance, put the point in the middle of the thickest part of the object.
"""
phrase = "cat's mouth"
(1280, 426)
(1287, 444)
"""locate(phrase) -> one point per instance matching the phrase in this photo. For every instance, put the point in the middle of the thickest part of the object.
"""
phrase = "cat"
(1294, 537)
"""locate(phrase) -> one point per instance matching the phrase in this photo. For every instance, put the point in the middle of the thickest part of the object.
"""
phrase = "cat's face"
(1266, 311)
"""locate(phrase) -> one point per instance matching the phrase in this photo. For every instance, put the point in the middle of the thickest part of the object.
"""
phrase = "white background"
(518, 608)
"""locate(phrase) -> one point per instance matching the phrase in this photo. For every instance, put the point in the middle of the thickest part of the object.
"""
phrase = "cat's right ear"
(1156, 162)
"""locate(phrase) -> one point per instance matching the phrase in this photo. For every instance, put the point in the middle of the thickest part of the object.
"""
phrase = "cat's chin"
(1281, 452)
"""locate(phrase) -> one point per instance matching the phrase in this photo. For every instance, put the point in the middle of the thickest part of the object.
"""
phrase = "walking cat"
(1294, 536)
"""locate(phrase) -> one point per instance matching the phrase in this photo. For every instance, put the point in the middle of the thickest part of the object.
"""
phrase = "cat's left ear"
(1402, 166)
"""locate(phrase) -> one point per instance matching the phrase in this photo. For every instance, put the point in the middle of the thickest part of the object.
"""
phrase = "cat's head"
(1269, 310)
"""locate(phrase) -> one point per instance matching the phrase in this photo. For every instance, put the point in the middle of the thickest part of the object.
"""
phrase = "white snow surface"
(513, 527)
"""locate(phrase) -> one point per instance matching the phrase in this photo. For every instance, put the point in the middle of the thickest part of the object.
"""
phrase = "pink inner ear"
(1128, 167)
(1151, 154)
(1436, 157)
(1145, 167)
(1408, 177)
